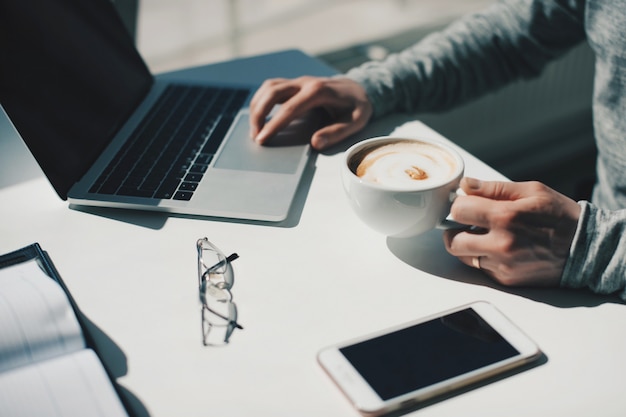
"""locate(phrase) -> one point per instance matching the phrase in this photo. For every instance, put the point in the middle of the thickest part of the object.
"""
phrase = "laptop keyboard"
(171, 149)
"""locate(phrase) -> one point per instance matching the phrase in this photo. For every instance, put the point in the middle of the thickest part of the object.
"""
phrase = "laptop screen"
(69, 77)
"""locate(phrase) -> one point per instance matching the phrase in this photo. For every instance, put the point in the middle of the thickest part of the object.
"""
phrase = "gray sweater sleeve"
(596, 258)
(510, 40)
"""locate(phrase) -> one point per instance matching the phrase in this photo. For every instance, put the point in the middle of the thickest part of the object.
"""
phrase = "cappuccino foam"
(406, 164)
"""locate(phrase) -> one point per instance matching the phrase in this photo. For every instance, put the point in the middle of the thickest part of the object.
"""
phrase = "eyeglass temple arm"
(228, 260)
(237, 325)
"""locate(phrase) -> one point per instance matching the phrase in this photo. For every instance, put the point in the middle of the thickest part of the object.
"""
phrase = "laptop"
(108, 133)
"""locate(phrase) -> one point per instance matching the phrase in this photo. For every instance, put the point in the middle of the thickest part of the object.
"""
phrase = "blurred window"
(176, 33)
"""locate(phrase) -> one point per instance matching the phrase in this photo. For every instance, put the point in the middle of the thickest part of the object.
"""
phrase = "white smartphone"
(405, 365)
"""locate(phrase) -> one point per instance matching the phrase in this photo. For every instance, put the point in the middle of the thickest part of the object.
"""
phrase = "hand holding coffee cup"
(401, 187)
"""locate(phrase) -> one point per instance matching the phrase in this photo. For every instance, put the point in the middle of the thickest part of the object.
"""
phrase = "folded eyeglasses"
(215, 280)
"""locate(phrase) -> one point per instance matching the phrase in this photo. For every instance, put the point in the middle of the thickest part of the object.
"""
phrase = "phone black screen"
(427, 353)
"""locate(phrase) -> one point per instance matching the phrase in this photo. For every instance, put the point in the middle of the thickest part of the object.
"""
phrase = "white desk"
(317, 279)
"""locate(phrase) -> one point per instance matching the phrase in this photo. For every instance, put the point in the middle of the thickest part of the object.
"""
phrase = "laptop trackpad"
(240, 152)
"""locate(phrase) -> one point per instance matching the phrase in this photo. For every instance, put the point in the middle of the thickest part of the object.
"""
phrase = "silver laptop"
(108, 133)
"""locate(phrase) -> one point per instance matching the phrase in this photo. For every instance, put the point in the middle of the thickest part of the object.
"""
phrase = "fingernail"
(259, 138)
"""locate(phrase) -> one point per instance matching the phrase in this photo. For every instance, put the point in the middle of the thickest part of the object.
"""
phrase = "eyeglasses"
(215, 279)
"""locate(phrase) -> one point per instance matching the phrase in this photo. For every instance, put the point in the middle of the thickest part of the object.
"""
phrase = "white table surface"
(318, 278)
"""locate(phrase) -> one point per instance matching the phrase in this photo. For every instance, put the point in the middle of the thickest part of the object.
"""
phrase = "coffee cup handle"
(447, 224)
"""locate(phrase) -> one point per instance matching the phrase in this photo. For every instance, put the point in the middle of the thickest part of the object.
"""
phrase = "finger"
(258, 112)
(469, 253)
(478, 262)
(471, 249)
(474, 210)
(291, 110)
(268, 87)
(499, 190)
(336, 132)
(332, 134)
(264, 104)
(467, 243)
(271, 93)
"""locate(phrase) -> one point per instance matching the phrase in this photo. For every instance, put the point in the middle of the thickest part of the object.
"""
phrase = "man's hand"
(528, 231)
(343, 99)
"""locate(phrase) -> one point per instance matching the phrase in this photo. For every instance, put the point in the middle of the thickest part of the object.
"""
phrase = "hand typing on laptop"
(343, 99)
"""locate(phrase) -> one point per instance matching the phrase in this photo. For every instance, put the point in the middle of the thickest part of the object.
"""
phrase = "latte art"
(406, 164)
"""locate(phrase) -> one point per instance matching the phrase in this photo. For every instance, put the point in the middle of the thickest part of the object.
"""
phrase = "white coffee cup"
(405, 186)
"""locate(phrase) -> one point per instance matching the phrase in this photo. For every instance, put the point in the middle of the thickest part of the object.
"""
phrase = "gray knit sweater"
(515, 39)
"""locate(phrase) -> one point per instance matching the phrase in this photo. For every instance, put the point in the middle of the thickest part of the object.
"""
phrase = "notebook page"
(36, 319)
(74, 385)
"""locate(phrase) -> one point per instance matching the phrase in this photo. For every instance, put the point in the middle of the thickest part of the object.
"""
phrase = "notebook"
(50, 364)
(108, 133)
